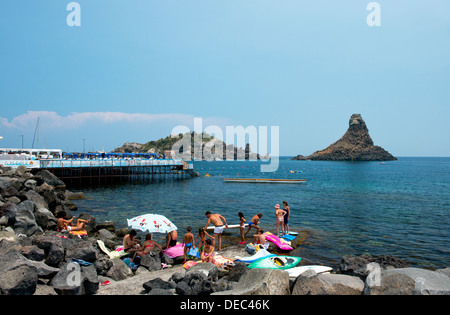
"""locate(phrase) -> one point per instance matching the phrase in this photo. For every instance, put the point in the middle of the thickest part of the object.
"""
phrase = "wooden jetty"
(264, 180)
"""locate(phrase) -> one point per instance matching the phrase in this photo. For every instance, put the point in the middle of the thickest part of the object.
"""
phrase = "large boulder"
(210, 270)
(45, 218)
(158, 283)
(151, 262)
(20, 280)
(327, 284)
(261, 282)
(407, 281)
(82, 250)
(30, 184)
(194, 283)
(237, 271)
(24, 219)
(14, 260)
(37, 199)
(360, 266)
(6, 246)
(73, 279)
(33, 252)
(50, 179)
(51, 199)
(118, 270)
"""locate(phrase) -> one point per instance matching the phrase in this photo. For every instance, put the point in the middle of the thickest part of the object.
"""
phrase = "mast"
(36, 132)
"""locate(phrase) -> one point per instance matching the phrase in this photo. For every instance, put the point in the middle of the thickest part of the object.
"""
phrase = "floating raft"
(264, 180)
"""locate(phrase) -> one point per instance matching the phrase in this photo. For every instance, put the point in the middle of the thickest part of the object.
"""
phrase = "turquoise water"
(400, 208)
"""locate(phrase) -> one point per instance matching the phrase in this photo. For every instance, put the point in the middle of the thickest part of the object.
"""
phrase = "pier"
(97, 171)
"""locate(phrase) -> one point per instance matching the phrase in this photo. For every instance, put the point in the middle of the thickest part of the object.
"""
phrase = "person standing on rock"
(216, 220)
(286, 217)
(171, 239)
(279, 213)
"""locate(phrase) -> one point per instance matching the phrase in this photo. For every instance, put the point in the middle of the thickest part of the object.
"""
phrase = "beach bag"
(194, 252)
(251, 249)
(129, 262)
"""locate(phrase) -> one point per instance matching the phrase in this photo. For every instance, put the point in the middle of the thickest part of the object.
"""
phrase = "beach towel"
(221, 261)
(189, 264)
(130, 264)
(175, 251)
(78, 233)
(119, 252)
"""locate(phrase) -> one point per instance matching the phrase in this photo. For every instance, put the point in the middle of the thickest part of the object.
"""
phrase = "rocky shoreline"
(35, 259)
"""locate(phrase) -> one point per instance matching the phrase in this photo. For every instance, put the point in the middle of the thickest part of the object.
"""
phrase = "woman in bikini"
(279, 213)
(148, 246)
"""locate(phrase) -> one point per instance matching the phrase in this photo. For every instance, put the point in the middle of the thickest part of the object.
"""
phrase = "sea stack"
(355, 145)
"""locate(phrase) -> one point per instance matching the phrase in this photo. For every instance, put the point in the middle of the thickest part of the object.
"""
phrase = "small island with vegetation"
(207, 151)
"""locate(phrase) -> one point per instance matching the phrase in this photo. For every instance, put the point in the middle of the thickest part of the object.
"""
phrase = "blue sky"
(136, 69)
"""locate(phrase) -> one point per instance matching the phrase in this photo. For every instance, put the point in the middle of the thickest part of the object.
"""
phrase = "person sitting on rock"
(207, 252)
(148, 246)
(130, 245)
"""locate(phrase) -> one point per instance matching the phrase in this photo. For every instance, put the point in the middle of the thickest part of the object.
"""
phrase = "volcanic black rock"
(355, 145)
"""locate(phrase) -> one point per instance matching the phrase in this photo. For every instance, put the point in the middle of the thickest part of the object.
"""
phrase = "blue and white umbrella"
(153, 223)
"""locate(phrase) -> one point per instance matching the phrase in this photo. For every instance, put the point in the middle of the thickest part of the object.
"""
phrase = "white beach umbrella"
(153, 223)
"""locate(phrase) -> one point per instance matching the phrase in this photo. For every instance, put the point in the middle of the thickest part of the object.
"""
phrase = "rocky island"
(202, 147)
(355, 145)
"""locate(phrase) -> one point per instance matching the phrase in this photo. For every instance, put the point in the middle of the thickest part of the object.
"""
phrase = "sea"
(398, 208)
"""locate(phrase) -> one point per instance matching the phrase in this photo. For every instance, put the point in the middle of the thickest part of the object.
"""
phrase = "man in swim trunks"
(253, 223)
(216, 220)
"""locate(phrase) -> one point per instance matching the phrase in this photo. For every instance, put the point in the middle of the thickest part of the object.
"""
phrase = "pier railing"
(74, 171)
(107, 163)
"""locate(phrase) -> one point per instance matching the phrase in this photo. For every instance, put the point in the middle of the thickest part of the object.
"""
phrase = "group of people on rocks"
(206, 246)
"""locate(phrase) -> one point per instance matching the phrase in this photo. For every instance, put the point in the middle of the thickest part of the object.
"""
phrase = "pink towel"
(176, 251)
